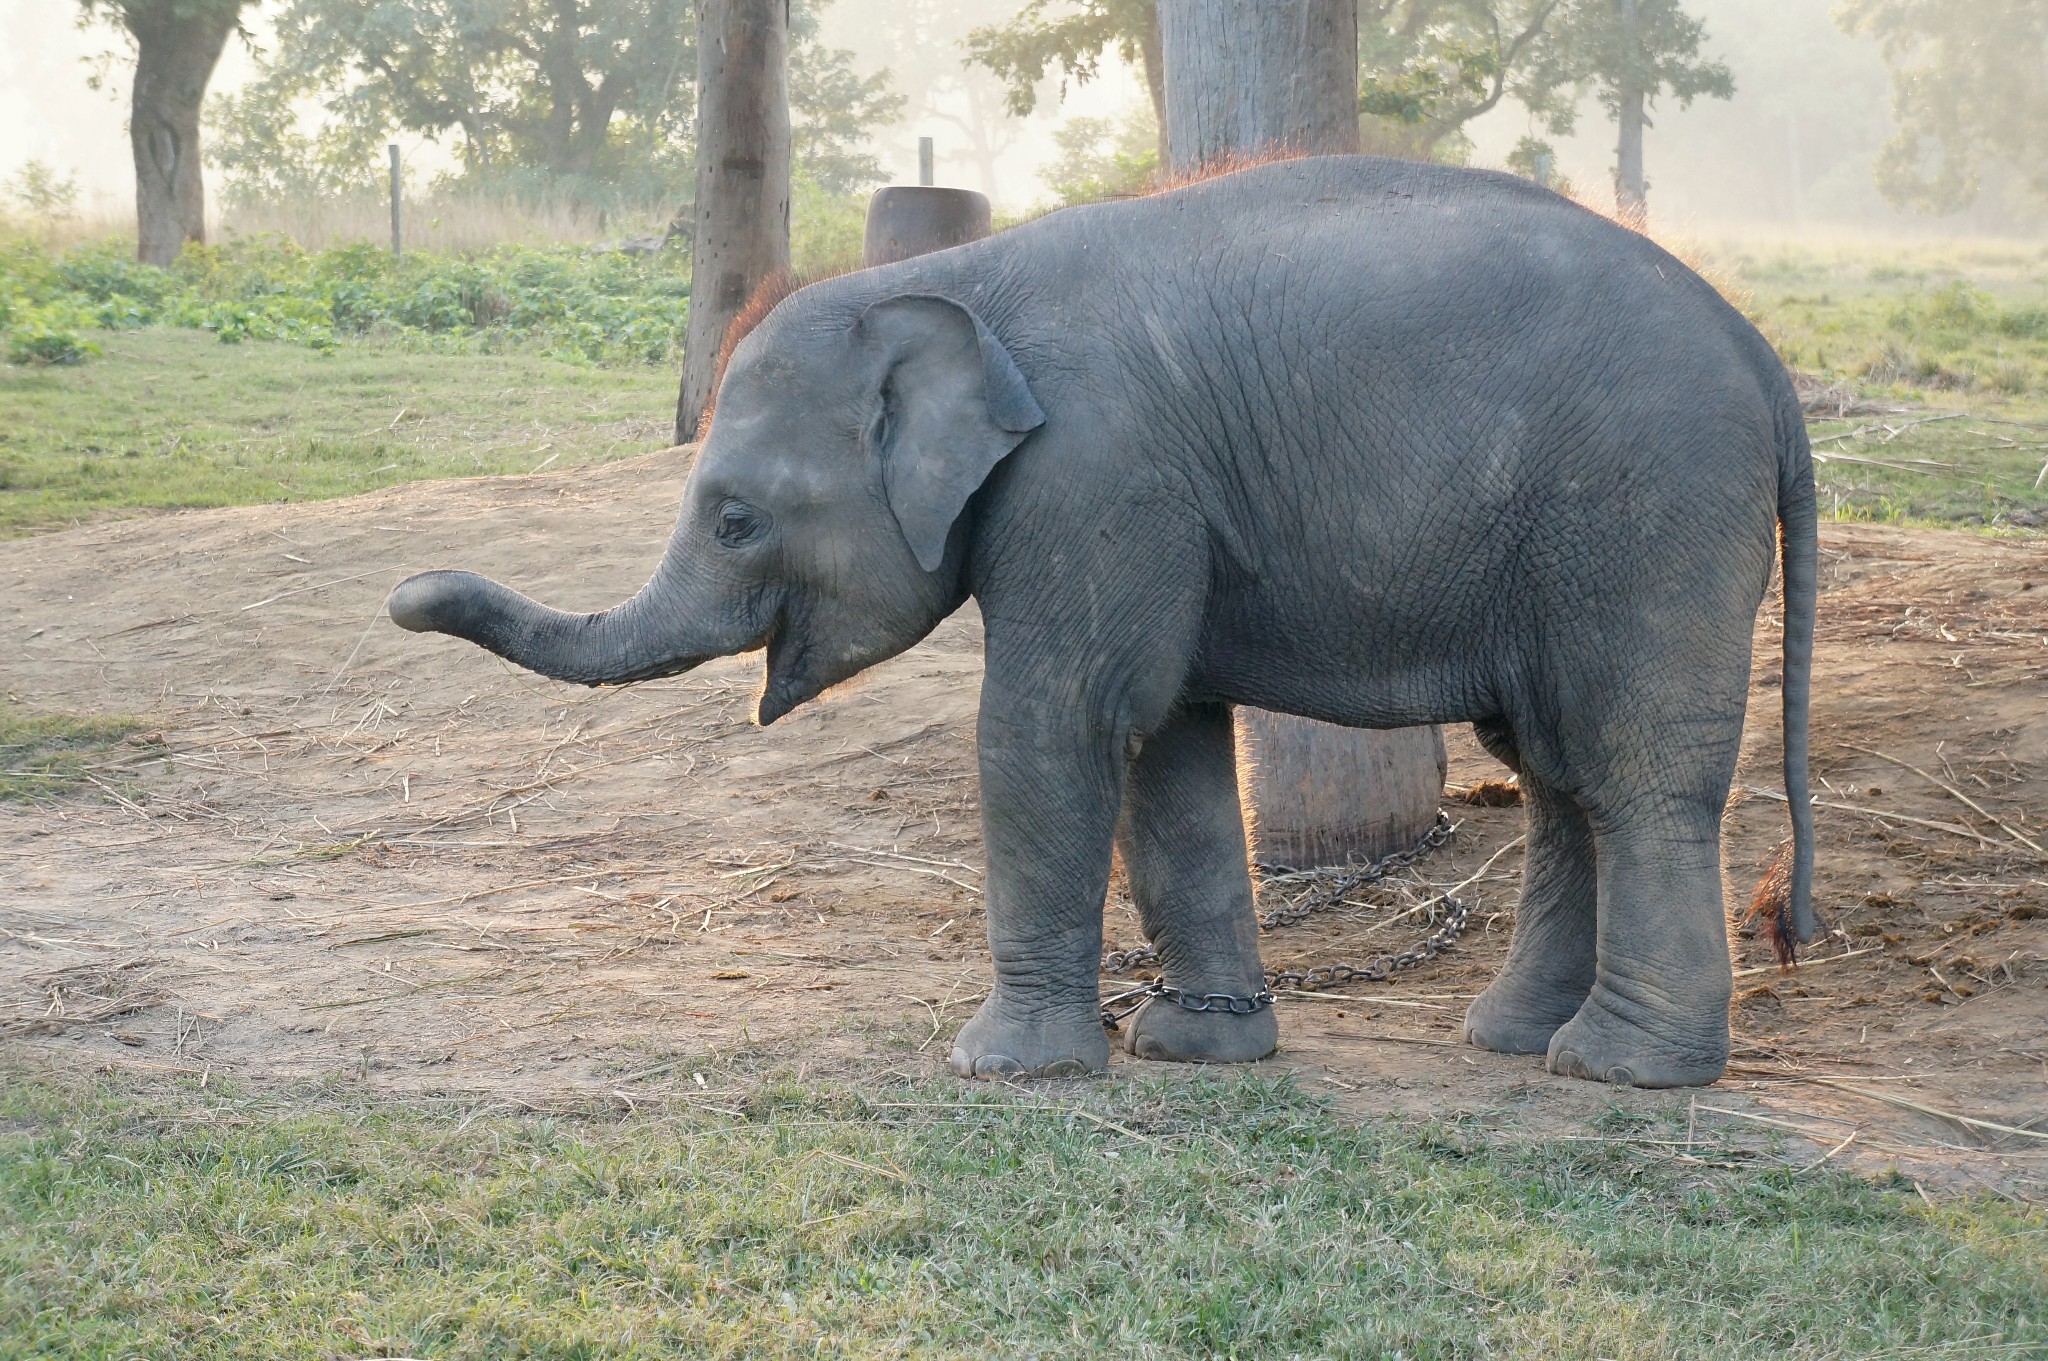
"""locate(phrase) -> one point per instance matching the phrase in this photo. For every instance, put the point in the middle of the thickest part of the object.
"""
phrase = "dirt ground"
(348, 854)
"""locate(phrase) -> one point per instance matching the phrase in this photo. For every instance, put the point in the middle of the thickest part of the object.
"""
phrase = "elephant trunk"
(647, 636)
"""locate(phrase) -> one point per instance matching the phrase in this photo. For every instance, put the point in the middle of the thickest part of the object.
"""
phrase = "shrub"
(45, 336)
(567, 302)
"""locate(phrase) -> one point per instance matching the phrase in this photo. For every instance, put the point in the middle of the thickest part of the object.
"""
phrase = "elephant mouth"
(786, 681)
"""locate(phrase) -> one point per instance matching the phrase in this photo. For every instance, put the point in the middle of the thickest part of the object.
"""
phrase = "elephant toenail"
(1064, 1068)
(997, 1066)
(1568, 1063)
(1621, 1076)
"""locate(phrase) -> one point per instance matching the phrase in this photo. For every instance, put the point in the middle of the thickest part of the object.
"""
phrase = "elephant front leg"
(1182, 839)
(1049, 794)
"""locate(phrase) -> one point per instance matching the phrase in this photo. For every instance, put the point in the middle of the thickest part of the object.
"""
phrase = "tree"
(1099, 159)
(1071, 36)
(833, 108)
(924, 39)
(1629, 52)
(578, 91)
(1429, 67)
(742, 236)
(177, 45)
(1967, 92)
(588, 99)
(1246, 81)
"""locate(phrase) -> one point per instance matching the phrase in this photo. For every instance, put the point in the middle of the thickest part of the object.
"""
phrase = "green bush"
(566, 302)
(44, 336)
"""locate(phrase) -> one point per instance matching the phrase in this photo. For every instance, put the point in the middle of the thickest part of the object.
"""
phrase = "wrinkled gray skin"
(1371, 442)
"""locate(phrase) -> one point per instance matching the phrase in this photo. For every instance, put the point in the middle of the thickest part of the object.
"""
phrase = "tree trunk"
(1155, 77)
(1318, 795)
(1631, 192)
(1252, 80)
(742, 232)
(175, 53)
(1244, 81)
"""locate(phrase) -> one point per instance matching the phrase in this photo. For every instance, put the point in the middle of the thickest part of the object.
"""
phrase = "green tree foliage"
(1099, 159)
(42, 193)
(1428, 67)
(1969, 90)
(832, 109)
(1587, 46)
(590, 99)
(1068, 37)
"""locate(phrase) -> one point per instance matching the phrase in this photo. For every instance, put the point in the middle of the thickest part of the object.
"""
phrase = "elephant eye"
(738, 524)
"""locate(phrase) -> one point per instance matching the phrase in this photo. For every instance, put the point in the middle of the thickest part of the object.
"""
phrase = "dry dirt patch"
(355, 854)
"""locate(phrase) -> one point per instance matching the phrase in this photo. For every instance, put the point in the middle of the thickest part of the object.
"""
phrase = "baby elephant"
(1375, 443)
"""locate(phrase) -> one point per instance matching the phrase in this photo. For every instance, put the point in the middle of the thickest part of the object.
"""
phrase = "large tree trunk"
(742, 180)
(1631, 191)
(1244, 81)
(1253, 80)
(176, 50)
(1155, 76)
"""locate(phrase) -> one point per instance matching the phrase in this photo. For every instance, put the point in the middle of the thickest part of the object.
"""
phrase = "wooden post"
(1244, 81)
(397, 226)
(906, 220)
(742, 234)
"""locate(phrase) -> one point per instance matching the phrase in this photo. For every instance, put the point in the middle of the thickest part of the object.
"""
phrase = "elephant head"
(818, 522)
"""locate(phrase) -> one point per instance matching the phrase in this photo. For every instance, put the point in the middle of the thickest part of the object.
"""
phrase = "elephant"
(1375, 443)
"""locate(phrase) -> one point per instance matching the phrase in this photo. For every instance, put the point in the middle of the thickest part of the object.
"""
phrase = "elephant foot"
(1003, 1043)
(1512, 1019)
(1169, 1033)
(1605, 1046)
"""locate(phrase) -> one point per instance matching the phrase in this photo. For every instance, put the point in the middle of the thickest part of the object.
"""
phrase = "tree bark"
(1631, 192)
(1252, 80)
(1155, 76)
(176, 50)
(742, 232)
(1244, 81)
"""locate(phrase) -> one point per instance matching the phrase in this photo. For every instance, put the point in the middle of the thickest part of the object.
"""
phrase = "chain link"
(1456, 914)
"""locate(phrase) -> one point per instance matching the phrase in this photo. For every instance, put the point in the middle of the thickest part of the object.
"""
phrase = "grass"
(1195, 1217)
(169, 418)
(1906, 331)
(46, 754)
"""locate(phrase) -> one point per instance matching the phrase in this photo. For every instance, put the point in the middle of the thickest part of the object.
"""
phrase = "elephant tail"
(1798, 547)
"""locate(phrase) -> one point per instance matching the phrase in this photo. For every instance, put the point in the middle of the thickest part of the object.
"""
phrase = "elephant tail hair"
(1798, 549)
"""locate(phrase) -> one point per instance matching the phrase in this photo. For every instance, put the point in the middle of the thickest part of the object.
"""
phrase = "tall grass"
(441, 224)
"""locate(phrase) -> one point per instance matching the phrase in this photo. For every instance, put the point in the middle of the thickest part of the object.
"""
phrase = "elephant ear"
(950, 405)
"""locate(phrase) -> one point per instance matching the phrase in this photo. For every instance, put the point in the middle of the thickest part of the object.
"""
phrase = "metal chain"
(1379, 970)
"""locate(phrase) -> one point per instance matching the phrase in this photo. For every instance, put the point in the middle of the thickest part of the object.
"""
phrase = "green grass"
(1197, 1217)
(1958, 330)
(43, 755)
(169, 418)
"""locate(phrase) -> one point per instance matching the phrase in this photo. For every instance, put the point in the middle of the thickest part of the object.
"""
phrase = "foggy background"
(1792, 150)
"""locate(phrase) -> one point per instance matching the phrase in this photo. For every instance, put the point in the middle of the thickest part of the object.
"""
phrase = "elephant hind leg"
(1657, 1014)
(1182, 840)
(1551, 960)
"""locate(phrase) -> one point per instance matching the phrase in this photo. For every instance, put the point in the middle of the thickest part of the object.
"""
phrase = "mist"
(1791, 151)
